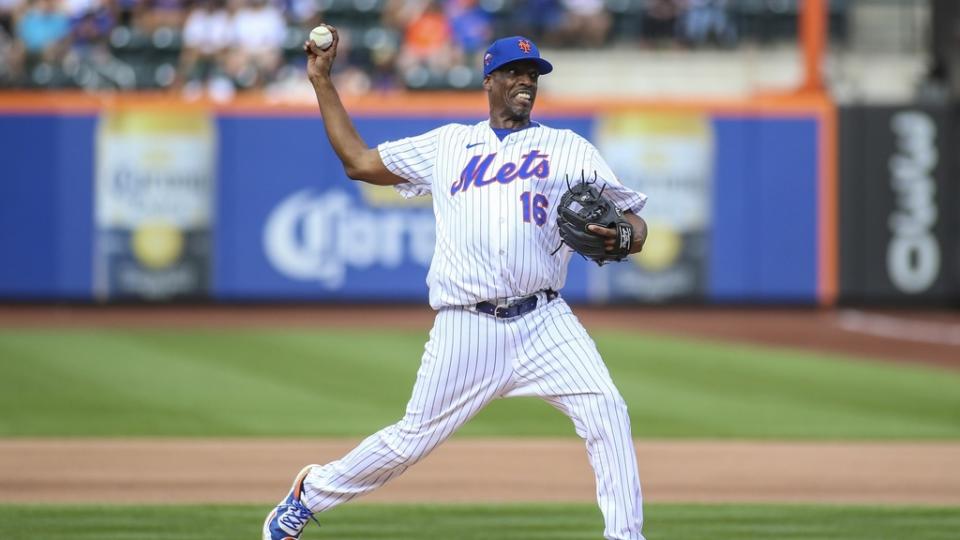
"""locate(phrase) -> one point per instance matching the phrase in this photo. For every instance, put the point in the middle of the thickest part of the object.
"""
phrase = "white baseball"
(322, 36)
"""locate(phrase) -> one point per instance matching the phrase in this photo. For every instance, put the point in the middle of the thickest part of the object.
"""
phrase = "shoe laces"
(295, 516)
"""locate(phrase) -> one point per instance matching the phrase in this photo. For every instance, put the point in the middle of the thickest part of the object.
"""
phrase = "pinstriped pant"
(473, 358)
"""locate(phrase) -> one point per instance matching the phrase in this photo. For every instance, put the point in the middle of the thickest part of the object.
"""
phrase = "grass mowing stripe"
(476, 522)
(781, 392)
(351, 383)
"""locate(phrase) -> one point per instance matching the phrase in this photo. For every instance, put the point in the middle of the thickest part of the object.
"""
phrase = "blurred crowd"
(224, 46)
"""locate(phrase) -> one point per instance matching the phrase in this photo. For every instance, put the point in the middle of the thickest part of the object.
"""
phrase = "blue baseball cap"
(510, 49)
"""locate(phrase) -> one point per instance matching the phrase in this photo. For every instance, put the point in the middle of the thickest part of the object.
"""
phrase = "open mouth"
(524, 97)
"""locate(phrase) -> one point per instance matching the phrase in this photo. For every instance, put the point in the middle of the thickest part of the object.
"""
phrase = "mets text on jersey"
(534, 164)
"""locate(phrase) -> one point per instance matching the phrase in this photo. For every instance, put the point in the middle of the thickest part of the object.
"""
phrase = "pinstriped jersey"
(495, 205)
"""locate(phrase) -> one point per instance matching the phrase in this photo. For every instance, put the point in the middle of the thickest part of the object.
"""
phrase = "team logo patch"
(525, 46)
(487, 58)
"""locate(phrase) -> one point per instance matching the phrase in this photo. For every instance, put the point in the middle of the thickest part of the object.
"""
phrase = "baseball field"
(189, 422)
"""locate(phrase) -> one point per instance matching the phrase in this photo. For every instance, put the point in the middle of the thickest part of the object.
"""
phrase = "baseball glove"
(584, 205)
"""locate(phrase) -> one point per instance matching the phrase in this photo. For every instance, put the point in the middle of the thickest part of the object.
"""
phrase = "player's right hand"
(319, 61)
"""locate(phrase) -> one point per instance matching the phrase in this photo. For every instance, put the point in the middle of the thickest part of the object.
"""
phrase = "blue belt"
(517, 307)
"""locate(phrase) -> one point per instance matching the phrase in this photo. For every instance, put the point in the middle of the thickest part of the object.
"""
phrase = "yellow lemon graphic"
(157, 245)
(662, 248)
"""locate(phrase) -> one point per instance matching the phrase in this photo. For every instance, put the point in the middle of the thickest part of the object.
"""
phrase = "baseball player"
(501, 329)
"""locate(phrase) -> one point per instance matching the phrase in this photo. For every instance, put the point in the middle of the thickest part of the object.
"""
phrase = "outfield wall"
(158, 200)
(899, 204)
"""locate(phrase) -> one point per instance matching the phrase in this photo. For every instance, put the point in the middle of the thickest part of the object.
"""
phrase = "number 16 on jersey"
(534, 205)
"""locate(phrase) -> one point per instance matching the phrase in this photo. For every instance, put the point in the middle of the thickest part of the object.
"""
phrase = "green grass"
(515, 522)
(351, 383)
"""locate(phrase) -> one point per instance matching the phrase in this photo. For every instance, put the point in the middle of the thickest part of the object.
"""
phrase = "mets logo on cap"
(525, 45)
(487, 58)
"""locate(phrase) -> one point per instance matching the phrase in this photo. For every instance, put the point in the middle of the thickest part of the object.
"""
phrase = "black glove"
(584, 205)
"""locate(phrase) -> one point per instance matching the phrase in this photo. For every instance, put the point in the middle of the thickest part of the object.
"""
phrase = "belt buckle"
(500, 311)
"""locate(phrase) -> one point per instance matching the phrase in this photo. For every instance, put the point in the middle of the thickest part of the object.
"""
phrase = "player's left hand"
(593, 226)
(610, 235)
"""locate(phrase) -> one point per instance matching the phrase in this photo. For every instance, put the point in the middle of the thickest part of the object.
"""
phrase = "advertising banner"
(669, 157)
(154, 204)
(291, 226)
(898, 205)
(166, 202)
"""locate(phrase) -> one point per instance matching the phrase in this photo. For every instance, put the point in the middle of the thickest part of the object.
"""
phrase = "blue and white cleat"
(287, 520)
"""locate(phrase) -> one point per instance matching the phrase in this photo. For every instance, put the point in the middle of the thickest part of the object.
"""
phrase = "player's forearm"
(340, 130)
(639, 232)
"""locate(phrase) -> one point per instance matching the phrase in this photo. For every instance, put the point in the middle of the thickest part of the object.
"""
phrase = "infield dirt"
(481, 470)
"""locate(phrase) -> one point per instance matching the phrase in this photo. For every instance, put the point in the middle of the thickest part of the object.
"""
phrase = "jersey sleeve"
(413, 159)
(622, 196)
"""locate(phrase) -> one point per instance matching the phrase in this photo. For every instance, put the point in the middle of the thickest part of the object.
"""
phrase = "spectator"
(77, 8)
(156, 14)
(206, 35)
(9, 9)
(256, 49)
(428, 43)
(91, 28)
(471, 26)
(660, 20)
(587, 22)
(42, 34)
(346, 71)
(90, 62)
(383, 73)
(127, 12)
(304, 14)
(398, 14)
(706, 19)
(541, 20)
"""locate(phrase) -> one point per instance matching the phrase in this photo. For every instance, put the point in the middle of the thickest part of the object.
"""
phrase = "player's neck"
(509, 122)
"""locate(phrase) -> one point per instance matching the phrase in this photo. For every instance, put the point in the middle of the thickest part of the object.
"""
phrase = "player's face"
(513, 89)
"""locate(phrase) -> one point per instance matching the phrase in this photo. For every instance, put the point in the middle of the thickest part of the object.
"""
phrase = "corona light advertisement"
(669, 157)
(154, 189)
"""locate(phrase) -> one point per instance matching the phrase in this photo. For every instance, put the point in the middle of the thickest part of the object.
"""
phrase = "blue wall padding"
(764, 237)
(46, 206)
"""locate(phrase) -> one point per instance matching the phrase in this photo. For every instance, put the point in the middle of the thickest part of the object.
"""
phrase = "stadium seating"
(149, 60)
